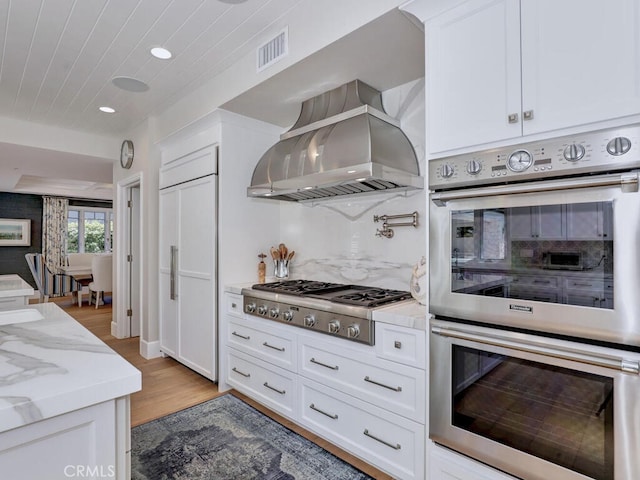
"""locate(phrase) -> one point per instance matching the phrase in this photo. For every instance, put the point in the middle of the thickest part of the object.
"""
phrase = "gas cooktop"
(358, 295)
(343, 311)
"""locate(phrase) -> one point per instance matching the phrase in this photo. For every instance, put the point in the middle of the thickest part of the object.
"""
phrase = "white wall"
(335, 239)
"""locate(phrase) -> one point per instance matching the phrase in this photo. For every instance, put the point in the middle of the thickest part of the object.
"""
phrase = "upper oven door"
(559, 256)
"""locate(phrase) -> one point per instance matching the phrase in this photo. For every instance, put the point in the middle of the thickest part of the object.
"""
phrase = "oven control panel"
(331, 323)
(600, 151)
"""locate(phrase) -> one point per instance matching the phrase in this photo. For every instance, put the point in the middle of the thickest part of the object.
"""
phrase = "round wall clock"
(126, 154)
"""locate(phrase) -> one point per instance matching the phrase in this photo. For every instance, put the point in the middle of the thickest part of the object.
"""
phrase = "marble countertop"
(407, 314)
(14, 286)
(53, 365)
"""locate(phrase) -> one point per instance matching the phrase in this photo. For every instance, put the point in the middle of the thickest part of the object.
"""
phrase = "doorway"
(128, 309)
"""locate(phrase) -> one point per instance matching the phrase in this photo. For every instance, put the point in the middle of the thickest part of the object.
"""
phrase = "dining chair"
(102, 272)
(50, 284)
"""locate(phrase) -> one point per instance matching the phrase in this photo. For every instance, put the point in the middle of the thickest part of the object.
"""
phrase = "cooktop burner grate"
(334, 292)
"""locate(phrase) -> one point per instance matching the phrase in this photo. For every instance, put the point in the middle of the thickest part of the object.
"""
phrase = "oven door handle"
(627, 181)
(531, 346)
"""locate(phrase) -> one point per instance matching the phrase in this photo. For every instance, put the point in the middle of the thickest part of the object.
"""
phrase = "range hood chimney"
(343, 143)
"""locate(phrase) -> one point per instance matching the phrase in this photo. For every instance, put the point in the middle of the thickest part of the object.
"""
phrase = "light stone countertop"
(14, 286)
(54, 365)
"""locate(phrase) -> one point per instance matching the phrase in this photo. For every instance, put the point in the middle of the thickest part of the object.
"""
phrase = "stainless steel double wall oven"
(535, 288)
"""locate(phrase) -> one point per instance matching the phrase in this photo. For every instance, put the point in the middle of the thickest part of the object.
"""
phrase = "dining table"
(82, 275)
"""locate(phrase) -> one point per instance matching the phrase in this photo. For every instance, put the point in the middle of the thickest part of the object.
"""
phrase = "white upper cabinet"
(500, 69)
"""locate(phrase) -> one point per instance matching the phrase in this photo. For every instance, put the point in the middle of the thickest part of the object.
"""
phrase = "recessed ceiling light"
(161, 53)
(130, 84)
(107, 110)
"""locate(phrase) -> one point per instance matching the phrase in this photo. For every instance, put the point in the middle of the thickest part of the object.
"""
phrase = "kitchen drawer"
(272, 386)
(277, 346)
(536, 281)
(234, 304)
(8, 303)
(594, 284)
(388, 441)
(389, 385)
(401, 344)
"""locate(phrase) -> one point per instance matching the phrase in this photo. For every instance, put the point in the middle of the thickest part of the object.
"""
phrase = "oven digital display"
(498, 168)
(542, 161)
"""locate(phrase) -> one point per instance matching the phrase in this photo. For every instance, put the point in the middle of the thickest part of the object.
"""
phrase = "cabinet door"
(580, 62)
(196, 275)
(589, 221)
(168, 238)
(473, 74)
(544, 222)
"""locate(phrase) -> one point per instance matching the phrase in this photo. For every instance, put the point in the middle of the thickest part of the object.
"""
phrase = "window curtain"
(54, 232)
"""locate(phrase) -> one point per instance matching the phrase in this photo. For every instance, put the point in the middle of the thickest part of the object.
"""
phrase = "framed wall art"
(15, 232)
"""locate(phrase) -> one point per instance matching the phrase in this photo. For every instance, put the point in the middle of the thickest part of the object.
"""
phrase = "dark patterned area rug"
(227, 439)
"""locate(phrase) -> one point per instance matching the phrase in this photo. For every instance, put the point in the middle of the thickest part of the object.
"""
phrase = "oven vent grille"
(273, 50)
(344, 189)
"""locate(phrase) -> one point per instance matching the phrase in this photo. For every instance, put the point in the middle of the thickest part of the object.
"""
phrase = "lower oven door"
(535, 407)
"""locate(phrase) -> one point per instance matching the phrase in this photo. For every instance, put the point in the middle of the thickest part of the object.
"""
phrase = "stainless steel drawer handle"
(245, 337)
(281, 392)
(280, 349)
(395, 389)
(546, 282)
(313, 360)
(334, 416)
(246, 375)
(384, 442)
(583, 284)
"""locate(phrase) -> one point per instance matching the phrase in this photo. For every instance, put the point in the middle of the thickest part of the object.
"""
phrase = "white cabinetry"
(73, 445)
(368, 400)
(447, 465)
(544, 222)
(500, 69)
(187, 260)
(584, 222)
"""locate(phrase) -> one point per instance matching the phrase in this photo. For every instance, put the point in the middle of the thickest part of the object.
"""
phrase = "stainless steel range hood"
(343, 143)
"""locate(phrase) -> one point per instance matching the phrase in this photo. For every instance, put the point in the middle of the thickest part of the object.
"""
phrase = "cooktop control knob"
(309, 321)
(446, 171)
(250, 307)
(334, 326)
(288, 315)
(274, 312)
(353, 331)
(474, 167)
(262, 310)
(573, 152)
(619, 146)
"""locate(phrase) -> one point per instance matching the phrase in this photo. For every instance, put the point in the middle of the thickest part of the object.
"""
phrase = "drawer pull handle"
(246, 375)
(395, 389)
(281, 392)
(334, 416)
(583, 284)
(280, 349)
(313, 360)
(546, 282)
(234, 305)
(245, 337)
(384, 442)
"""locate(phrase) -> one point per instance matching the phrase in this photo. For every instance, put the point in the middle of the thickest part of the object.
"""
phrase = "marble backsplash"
(335, 240)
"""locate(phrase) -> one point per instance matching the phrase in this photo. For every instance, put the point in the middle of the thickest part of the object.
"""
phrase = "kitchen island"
(64, 398)
(14, 292)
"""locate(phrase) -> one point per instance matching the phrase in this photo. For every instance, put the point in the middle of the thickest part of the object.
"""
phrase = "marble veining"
(53, 366)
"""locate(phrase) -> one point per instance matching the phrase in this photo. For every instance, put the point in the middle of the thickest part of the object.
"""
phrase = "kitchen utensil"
(291, 254)
(275, 254)
(283, 251)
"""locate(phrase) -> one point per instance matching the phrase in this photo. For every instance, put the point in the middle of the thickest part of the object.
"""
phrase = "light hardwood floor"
(169, 386)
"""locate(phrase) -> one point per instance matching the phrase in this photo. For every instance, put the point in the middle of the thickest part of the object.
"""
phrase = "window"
(89, 230)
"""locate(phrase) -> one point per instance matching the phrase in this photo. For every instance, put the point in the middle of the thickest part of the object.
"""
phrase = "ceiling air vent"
(273, 50)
